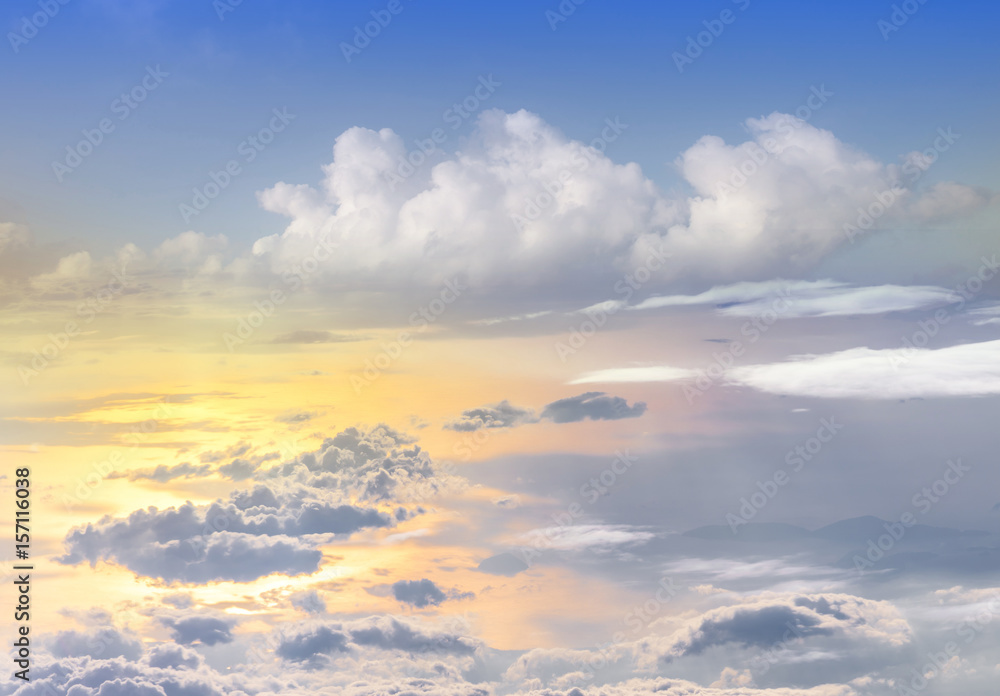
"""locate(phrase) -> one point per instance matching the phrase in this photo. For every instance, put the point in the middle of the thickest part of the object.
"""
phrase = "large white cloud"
(967, 370)
(521, 204)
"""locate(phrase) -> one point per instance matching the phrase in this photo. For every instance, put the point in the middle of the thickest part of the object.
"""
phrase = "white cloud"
(801, 298)
(858, 373)
(863, 373)
(470, 213)
(70, 268)
(587, 536)
(650, 373)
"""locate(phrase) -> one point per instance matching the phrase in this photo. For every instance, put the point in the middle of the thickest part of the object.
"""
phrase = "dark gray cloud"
(775, 620)
(755, 627)
(588, 406)
(591, 406)
(167, 656)
(254, 534)
(419, 593)
(311, 641)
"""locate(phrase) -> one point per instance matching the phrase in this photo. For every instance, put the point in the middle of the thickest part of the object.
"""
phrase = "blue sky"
(605, 60)
(673, 369)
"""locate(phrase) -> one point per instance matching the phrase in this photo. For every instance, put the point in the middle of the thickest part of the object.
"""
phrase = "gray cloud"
(592, 406)
(105, 642)
(312, 641)
(307, 336)
(502, 564)
(419, 593)
(207, 630)
(268, 529)
(164, 473)
(308, 601)
(254, 534)
(587, 406)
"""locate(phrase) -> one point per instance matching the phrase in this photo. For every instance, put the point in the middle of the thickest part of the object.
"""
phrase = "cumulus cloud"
(191, 252)
(419, 593)
(377, 464)
(70, 268)
(772, 620)
(103, 642)
(457, 217)
(207, 630)
(358, 479)
(474, 213)
(252, 535)
(501, 415)
(308, 601)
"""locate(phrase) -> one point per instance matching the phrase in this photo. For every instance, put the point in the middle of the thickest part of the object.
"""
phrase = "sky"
(529, 349)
